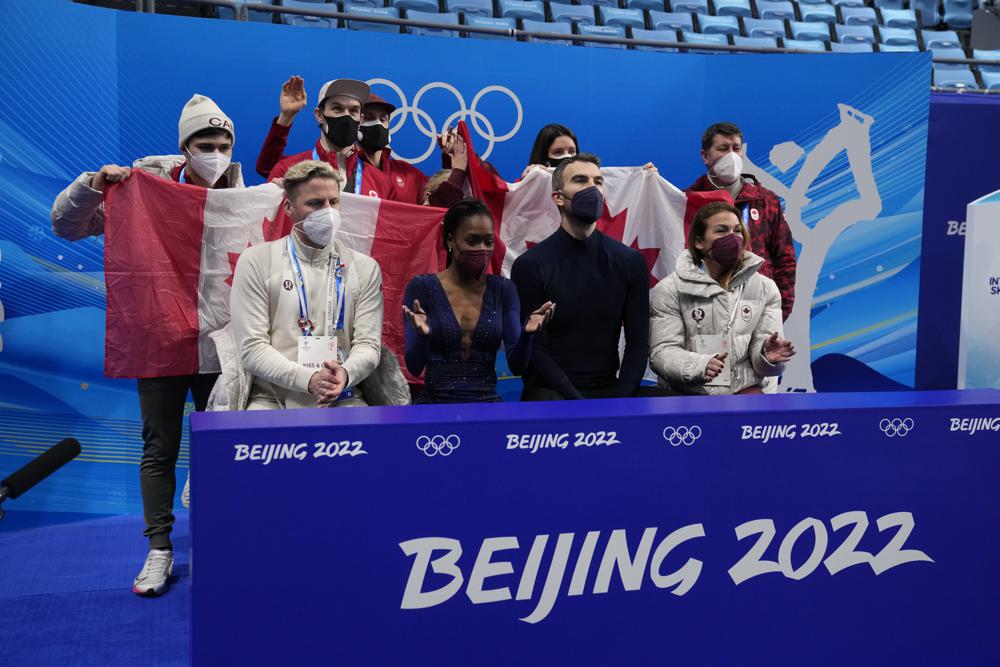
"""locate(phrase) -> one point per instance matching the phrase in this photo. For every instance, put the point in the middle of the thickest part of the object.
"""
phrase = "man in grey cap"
(338, 114)
(205, 140)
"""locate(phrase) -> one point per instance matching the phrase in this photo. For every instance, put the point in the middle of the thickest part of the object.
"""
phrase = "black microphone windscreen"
(41, 467)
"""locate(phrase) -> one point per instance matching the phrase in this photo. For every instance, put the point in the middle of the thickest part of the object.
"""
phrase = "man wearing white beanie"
(205, 140)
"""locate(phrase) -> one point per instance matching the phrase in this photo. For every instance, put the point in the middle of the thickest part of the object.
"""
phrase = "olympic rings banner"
(841, 138)
(836, 529)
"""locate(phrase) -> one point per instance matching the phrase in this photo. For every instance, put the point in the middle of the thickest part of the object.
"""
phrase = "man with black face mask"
(338, 115)
(599, 284)
(408, 183)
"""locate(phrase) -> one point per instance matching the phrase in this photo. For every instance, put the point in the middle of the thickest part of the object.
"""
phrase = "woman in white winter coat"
(715, 322)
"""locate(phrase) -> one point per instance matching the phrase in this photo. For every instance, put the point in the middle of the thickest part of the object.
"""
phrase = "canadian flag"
(641, 209)
(170, 251)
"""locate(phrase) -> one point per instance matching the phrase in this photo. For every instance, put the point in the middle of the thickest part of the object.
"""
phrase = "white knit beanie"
(201, 113)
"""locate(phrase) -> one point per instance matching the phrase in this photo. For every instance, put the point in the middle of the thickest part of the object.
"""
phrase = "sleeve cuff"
(302, 377)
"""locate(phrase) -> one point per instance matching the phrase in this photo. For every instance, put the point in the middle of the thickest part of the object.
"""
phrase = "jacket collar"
(750, 191)
(695, 278)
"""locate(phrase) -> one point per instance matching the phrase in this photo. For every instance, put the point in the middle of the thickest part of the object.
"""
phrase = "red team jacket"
(770, 237)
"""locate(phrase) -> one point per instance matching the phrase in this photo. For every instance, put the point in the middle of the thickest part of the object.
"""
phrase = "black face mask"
(341, 130)
(374, 137)
(555, 162)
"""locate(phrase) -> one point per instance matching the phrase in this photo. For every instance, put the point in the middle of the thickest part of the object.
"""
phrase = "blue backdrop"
(96, 86)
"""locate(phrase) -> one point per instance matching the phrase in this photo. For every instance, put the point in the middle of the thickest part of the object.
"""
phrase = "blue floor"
(66, 596)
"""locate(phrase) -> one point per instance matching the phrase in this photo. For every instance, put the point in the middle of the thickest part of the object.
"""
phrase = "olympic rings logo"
(896, 427)
(438, 444)
(470, 113)
(681, 435)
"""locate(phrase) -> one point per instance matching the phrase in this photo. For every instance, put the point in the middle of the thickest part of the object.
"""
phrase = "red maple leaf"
(277, 228)
(613, 225)
(233, 258)
(650, 255)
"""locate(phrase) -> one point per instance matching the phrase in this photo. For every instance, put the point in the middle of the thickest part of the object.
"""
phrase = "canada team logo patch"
(754, 214)
(746, 313)
(400, 182)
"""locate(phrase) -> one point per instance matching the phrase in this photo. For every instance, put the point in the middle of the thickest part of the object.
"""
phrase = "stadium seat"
(821, 13)
(813, 2)
(367, 3)
(763, 28)
(928, 11)
(984, 54)
(848, 3)
(602, 31)
(718, 25)
(804, 45)
(889, 4)
(691, 6)
(662, 35)
(897, 36)
(899, 18)
(308, 21)
(387, 12)
(449, 18)
(605, 3)
(733, 8)
(958, 14)
(949, 53)
(522, 9)
(542, 26)
(901, 48)
(658, 5)
(858, 16)
(991, 80)
(418, 5)
(940, 39)
(470, 7)
(254, 15)
(572, 14)
(625, 18)
(778, 9)
(698, 38)
(490, 22)
(848, 34)
(671, 20)
(851, 47)
(955, 79)
(762, 42)
(805, 30)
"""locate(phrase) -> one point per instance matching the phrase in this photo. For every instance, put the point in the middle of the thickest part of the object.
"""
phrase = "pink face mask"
(727, 250)
(473, 263)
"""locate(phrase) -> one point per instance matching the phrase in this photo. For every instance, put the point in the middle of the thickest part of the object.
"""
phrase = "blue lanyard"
(746, 218)
(357, 171)
(306, 324)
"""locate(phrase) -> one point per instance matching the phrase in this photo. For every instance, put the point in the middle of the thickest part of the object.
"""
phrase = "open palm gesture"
(293, 96)
(778, 350)
(417, 317)
(540, 317)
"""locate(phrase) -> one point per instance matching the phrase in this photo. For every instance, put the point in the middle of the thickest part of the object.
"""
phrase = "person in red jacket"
(338, 114)
(770, 237)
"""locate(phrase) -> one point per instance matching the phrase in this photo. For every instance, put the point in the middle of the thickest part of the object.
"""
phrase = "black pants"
(161, 402)
(537, 392)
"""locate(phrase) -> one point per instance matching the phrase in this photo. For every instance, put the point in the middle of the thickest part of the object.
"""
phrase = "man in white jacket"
(205, 140)
(306, 310)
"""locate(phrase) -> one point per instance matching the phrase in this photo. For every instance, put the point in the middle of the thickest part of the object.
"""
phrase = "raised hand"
(540, 317)
(109, 173)
(292, 100)
(459, 153)
(778, 350)
(715, 366)
(417, 317)
(649, 166)
(530, 168)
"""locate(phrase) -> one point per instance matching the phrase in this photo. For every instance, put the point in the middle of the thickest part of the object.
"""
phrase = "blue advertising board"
(800, 530)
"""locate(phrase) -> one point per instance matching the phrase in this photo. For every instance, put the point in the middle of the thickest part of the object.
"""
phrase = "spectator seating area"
(838, 26)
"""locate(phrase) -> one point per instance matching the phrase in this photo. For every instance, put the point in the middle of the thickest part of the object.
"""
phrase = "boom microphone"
(39, 468)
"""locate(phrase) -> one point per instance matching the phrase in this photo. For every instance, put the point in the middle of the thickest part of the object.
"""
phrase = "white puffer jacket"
(78, 211)
(673, 304)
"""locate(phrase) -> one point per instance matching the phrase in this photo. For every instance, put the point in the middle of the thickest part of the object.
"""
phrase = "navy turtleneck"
(598, 285)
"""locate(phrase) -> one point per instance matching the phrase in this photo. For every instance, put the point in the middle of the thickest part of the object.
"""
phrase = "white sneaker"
(152, 581)
(186, 493)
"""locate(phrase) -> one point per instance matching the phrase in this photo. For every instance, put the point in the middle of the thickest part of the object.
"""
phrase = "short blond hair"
(305, 171)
